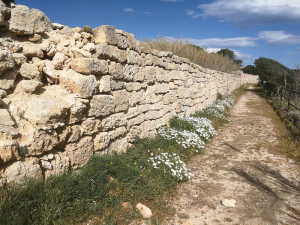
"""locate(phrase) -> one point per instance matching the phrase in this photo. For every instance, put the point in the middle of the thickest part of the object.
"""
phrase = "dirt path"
(239, 165)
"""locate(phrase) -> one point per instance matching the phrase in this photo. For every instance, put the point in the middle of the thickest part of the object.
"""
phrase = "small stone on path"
(144, 210)
(229, 203)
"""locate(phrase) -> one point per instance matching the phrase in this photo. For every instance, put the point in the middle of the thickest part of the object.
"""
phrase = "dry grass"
(194, 53)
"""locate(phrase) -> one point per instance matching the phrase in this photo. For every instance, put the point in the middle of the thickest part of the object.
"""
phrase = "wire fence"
(291, 96)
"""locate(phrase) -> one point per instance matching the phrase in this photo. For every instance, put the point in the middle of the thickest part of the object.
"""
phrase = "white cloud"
(247, 12)
(278, 38)
(237, 42)
(130, 10)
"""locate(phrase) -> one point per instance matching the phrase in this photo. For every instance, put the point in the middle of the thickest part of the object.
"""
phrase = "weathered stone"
(58, 60)
(144, 210)
(230, 203)
(30, 71)
(136, 97)
(102, 105)
(101, 141)
(60, 163)
(105, 35)
(57, 26)
(104, 84)
(49, 70)
(46, 165)
(116, 70)
(120, 131)
(145, 48)
(121, 100)
(19, 170)
(82, 85)
(7, 80)
(19, 58)
(35, 38)
(79, 53)
(89, 47)
(117, 85)
(39, 63)
(45, 111)
(130, 71)
(104, 51)
(8, 149)
(26, 21)
(6, 61)
(3, 94)
(134, 86)
(90, 126)
(133, 57)
(33, 50)
(162, 88)
(30, 86)
(89, 66)
(113, 121)
(87, 29)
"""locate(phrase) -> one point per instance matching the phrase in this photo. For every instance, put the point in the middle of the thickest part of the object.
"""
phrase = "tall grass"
(194, 53)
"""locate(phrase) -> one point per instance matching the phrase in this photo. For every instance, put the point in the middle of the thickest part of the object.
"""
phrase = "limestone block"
(45, 111)
(177, 59)
(90, 126)
(6, 61)
(102, 105)
(16, 172)
(28, 21)
(137, 120)
(82, 85)
(145, 48)
(117, 85)
(19, 58)
(105, 35)
(162, 88)
(149, 73)
(101, 141)
(148, 61)
(136, 97)
(7, 79)
(89, 47)
(81, 152)
(163, 76)
(76, 133)
(130, 71)
(154, 115)
(5, 118)
(156, 106)
(58, 60)
(80, 53)
(57, 26)
(59, 163)
(8, 149)
(33, 50)
(104, 84)
(49, 70)
(134, 86)
(133, 112)
(134, 57)
(89, 66)
(121, 99)
(35, 38)
(3, 94)
(30, 71)
(113, 121)
(120, 131)
(77, 111)
(104, 51)
(116, 70)
(30, 86)
(157, 61)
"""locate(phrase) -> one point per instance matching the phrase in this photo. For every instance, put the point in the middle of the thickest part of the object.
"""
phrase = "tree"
(230, 55)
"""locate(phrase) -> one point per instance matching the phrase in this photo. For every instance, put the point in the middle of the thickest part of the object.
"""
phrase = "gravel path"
(240, 164)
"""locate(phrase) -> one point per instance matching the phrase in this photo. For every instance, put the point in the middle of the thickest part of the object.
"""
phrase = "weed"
(22, 150)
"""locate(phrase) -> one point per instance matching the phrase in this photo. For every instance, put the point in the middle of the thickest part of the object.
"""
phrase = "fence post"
(289, 100)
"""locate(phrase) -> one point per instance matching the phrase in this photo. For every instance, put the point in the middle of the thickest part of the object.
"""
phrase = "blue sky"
(252, 28)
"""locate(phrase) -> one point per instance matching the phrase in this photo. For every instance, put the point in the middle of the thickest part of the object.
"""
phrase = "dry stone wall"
(67, 94)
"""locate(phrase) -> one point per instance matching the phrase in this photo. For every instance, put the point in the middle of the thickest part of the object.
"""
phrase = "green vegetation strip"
(108, 188)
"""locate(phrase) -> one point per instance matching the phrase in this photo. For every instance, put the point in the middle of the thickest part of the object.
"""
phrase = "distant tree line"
(272, 74)
(230, 55)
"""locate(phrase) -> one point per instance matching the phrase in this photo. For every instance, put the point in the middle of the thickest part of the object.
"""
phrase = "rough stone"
(230, 203)
(30, 86)
(105, 35)
(144, 210)
(57, 26)
(89, 47)
(89, 66)
(8, 149)
(101, 141)
(82, 85)
(58, 60)
(102, 105)
(33, 50)
(25, 21)
(104, 51)
(121, 99)
(7, 80)
(104, 84)
(19, 58)
(19, 170)
(35, 38)
(30, 71)
(6, 61)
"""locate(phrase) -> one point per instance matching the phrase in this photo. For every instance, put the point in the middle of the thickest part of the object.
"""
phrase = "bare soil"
(243, 162)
